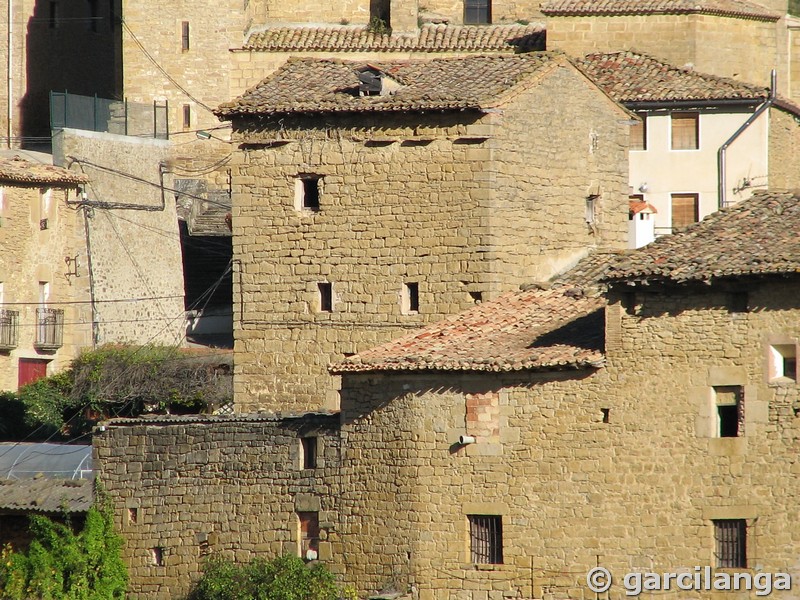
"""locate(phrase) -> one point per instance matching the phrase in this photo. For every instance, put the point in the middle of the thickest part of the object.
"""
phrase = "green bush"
(114, 381)
(283, 578)
(63, 565)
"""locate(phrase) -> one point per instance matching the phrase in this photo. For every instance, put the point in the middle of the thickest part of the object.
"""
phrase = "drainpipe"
(722, 149)
(10, 89)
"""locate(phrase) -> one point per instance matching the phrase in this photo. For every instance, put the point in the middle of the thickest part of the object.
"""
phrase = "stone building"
(43, 321)
(730, 38)
(53, 46)
(704, 141)
(360, 214)
(637, 412)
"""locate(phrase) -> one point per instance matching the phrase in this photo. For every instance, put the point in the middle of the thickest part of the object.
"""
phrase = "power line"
(163, 71)
(113, 300)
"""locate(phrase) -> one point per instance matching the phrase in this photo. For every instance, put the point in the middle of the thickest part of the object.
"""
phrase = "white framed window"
(782, 361)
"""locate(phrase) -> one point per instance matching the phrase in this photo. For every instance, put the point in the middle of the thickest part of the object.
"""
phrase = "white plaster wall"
(666, 171)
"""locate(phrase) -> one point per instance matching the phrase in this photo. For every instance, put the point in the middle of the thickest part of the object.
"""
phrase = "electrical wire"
(163, 71)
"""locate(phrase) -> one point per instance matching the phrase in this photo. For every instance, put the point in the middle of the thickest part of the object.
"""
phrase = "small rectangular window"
(93, 15)
(730, 410)
(187, 116)
(185, 36)
(157, 556)
(133, 516)
(639, 133)
(486, 539)
(783, 362)
(308, 446)
(52, 19)
(730, 536)
(685, 210)
(477, 12)
(590, 210)
(738, 302)
(309, 534)
(307, 192)
(325, 296)
(410, 298)
(685, 131)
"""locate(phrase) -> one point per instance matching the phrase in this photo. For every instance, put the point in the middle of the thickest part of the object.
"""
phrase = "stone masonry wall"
(738, 48)
(784, 140)
(32, 255)
(228, 486)
(136, 253)
(638, 492)
(466, 207)
(357, 12)
(197, 76)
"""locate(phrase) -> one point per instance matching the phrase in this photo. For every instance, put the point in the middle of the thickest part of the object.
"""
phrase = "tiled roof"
(725, 8)
(46, 495)
(308, 85)
(430, 38)
(758, 236)
(19, 170)
(630, 77)
(541, 327)
(637, 206)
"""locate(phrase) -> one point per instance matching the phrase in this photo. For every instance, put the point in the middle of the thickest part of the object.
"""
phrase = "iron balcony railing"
(49, 328)
(9, 335)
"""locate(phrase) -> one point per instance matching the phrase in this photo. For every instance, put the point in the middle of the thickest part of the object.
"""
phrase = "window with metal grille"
(685, 210)
(187, 116)
(639, 133)
(477, 12)
(685, 131)
(731, 543)
(185, 36)
(486, 539)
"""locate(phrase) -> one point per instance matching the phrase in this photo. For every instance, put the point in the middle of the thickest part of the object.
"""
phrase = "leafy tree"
(63, 565)
(283, 578)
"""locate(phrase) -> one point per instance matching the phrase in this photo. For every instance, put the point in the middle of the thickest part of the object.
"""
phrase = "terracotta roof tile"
(758, 236)
(46, 495)
(637, 206)
(430, 38)
(630, 77)
(540, 327)
(725, 8)
(308, 85)
(19, 170)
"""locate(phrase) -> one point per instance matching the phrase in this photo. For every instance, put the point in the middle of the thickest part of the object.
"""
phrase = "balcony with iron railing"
(9, 334)
(49, 329)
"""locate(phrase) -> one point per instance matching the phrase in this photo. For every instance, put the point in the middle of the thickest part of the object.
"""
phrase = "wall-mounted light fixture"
(72, 267)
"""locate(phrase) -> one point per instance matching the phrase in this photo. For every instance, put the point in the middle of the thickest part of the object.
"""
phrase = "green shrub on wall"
(114, 381)
(283, 578)
(63, 565)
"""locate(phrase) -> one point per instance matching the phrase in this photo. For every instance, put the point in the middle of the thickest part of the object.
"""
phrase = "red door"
(31, 369)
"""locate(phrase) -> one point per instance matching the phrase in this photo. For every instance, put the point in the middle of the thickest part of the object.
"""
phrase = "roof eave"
(644, 105)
